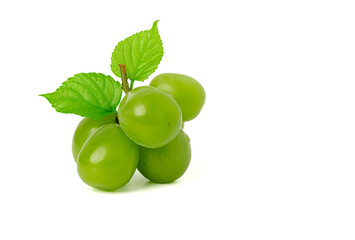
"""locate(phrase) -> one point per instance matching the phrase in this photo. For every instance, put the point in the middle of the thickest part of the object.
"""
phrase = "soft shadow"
(137, 183)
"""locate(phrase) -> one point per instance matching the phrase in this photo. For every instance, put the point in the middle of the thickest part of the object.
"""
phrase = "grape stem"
(124, 78)
(131, 86)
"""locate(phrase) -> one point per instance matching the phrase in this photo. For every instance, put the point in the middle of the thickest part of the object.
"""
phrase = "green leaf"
(92, 95)
(141, 53)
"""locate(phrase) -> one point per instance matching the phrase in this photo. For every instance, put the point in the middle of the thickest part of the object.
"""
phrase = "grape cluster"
(146, 134)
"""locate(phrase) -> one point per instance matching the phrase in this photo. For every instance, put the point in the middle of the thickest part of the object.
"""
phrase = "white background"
(273, 148)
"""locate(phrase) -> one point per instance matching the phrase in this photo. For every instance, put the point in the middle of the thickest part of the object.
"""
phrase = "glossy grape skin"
(108, 158)
(168, 163)
(86, 128)
(150, 117)
(187, 92)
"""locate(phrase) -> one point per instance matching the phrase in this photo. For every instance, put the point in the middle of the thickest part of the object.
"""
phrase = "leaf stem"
(131, 86)
(124, 78)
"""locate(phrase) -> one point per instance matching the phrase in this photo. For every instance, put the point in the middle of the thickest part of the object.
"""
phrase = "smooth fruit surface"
(108, 158)
(168, 163)
(186, 91)
(86, 128)
(149, 116)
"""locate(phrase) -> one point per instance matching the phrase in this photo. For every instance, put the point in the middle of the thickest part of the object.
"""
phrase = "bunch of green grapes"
(146, 130)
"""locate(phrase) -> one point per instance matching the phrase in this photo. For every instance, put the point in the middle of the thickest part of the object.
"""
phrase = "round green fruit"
(186, 91)
(150, 117)
(108, 158)
(168, 163)
(86, 128)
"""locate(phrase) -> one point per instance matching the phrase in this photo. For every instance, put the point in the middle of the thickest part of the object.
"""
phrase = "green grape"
(168, 163)
(86, 128)
(187, 92)
(150, 117)
(108, 158)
